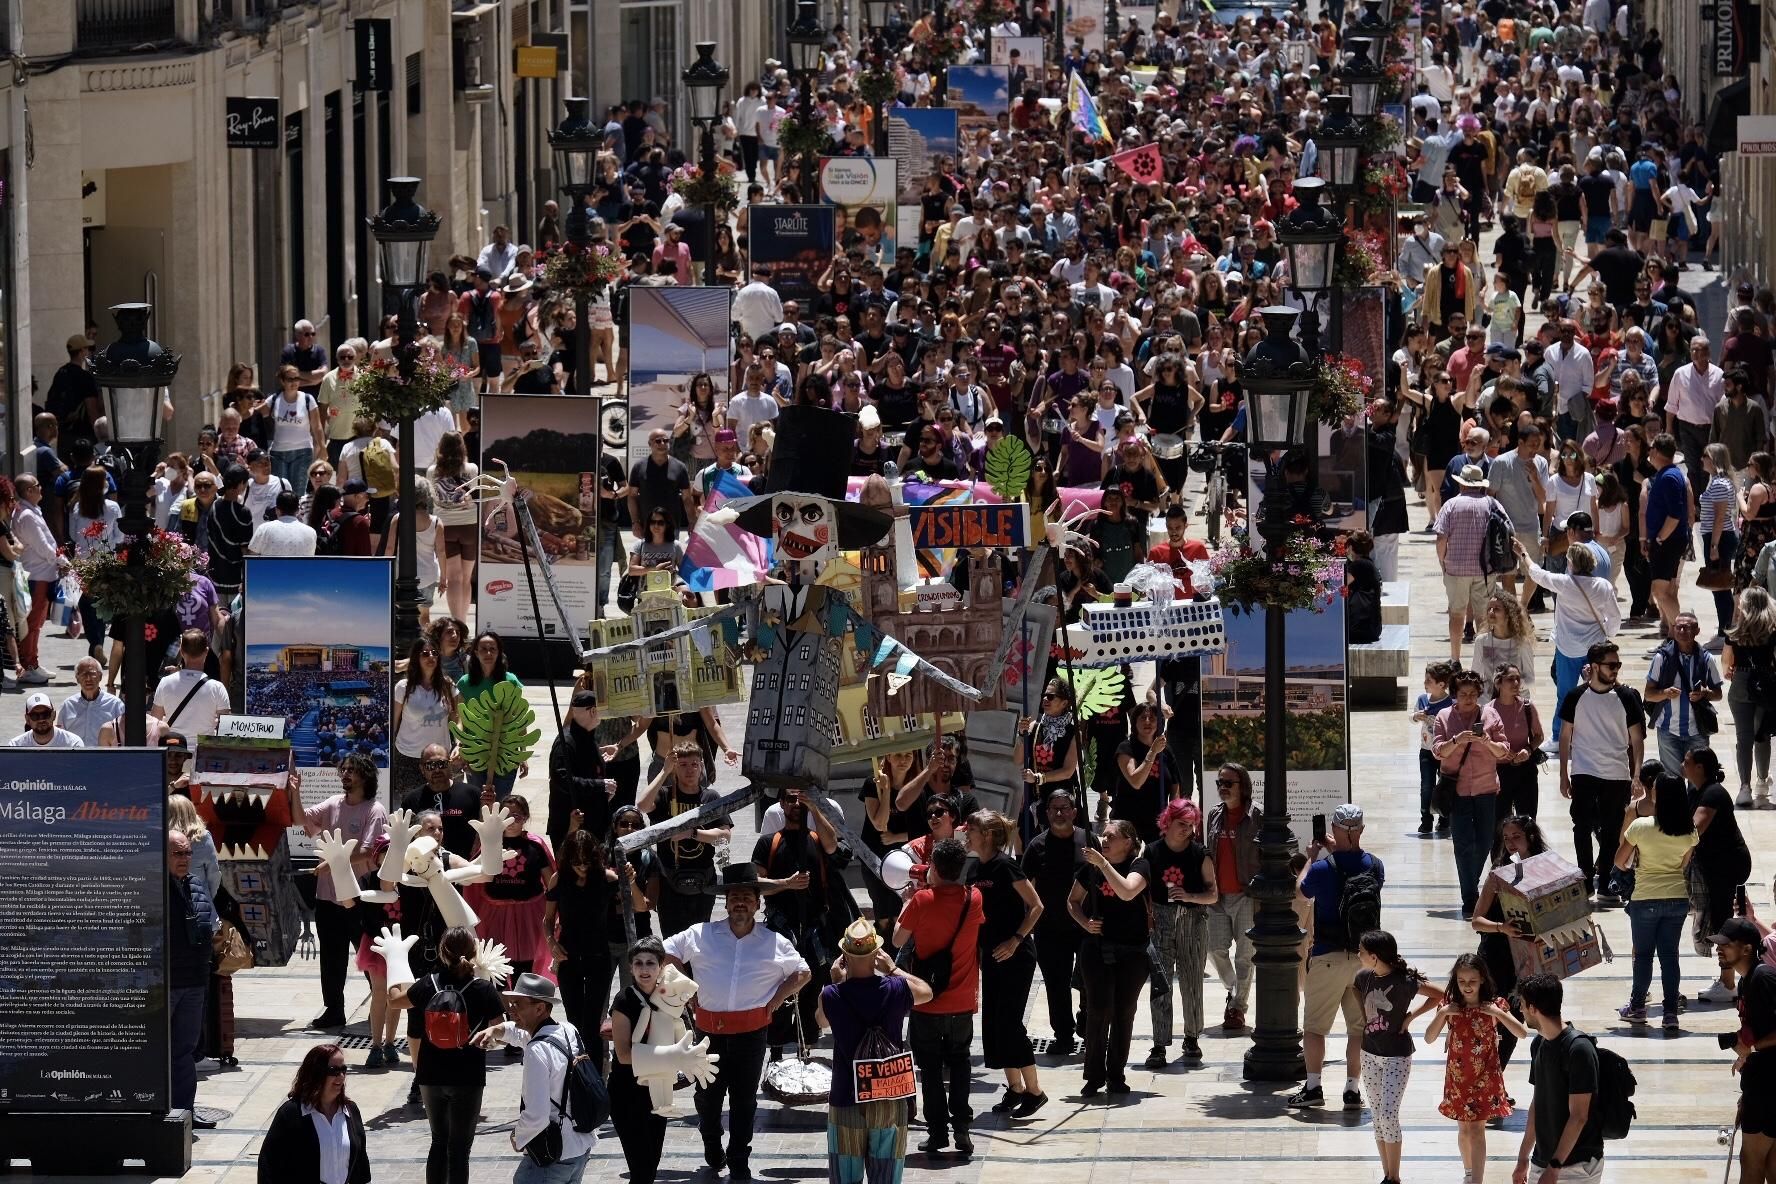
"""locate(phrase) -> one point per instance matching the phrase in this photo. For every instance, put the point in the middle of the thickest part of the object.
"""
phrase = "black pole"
(810, 163)
(711, 212)
(881, 55)
(138, 529)
(579, 237)
(406, 561)
(943, 68)
(1275, 1054)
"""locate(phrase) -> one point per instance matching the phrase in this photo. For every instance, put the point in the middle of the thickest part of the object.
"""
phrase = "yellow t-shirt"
(1659, 874)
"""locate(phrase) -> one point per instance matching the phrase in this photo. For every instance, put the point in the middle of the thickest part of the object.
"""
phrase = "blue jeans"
(1471, 828)
(1672, 749)
(292, 467)
(610, 552)
(1657, 927)
(567, 1171)
(185, 1022)
(1566, 677)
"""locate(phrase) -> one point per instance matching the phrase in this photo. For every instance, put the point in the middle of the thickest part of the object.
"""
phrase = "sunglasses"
(1227, 782)
(336, 1070)
(434, 764)
(937, 814)
(1610, 665)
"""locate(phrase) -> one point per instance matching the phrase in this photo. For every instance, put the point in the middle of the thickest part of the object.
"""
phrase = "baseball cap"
(356, 486)
(1736, 929)
(727, 436)
(1349, 816)
(78, 341)
(1495, 350)
(39, 700)
(1578, 520)
(173, 740)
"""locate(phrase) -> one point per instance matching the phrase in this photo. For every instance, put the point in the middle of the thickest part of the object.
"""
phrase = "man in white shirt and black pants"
(531, 1003)
(1601, 740)
(744, 973)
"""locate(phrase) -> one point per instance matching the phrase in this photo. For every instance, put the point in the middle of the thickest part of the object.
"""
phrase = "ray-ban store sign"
(252, 123)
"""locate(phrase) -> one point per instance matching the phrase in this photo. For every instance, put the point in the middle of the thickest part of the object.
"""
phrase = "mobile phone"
(1479, 728)
(1739, 902)
(1319, 829)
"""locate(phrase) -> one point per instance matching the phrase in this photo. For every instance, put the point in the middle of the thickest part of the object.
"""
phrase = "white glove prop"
(401, 830)
(393, 949)
(698, 1063)
(454, 910)
(658, 1066)
(336, 851)
(491, 962)
(491, 828)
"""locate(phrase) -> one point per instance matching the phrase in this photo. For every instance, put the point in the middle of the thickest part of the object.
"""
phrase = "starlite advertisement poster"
(319, 637)
(1233, 709)
(675, 336)
(922, 141)
(83, 888)
(789, 247)
(861, 190)
(547, 442)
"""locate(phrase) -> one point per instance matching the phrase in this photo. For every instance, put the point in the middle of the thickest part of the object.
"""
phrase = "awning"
(1730, 102)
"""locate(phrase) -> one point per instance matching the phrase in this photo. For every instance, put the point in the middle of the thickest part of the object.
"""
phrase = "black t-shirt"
(1125, 921)
(898, 406)
(1717, 846)
(1141, 804)
(465, 1066)
(459, 805)
(522, 873)
(1597, 190)
(1469, 160)
(585, 911)
(1757, 1014)
(997, 879)
(1618, 267)
(900, 822)
(661, 487)
(1052, 863)
(687, 852)
(786, 853)
(1169, 409)
(644, 865)
(1137, 485)
(1182, 869)
(1559, 1068)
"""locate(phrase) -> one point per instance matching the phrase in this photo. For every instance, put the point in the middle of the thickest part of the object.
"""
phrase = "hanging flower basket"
(944, 47)
(156, 587)
(1340, 391)
(1361, 259)
(1381, 136)
(1247, 580)
(1396, 76)
(878, 86)
(988, 13)
(384, 394)
(798, 140)
(1383, 184)
(698, 190)
(572, 268)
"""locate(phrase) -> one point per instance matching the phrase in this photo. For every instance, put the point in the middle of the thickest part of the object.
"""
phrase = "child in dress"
(1387, 987)
(1473, 1079)
(1507, 313)
(1435, 698)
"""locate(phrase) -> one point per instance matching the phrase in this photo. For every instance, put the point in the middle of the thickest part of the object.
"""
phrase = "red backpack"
(446, 1017)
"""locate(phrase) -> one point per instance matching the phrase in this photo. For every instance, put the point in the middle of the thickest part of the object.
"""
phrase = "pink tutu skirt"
(515, 924)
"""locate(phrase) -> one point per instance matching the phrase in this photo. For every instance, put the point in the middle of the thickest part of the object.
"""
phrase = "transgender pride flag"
(721, 555)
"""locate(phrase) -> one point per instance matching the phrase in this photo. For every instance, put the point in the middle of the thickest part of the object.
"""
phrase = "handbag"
(935, 967)
(628, 587)
(1449, 786)
(1715, 579)
(1703, 712)
(230, 949)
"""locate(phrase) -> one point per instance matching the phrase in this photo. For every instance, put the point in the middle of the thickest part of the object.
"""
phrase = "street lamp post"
(1310, 236)
(575, 144)
(806, 40)
(875, 14)
(1340, 144)
(1277, 376)
(134, 372)
(704, 80)
(404, 231)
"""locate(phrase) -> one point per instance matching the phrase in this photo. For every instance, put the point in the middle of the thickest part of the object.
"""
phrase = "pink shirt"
(680, 260)
(1475, 767)
(364, 821)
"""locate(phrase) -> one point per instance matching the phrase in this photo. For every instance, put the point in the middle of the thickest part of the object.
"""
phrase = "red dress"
(1473, 1081)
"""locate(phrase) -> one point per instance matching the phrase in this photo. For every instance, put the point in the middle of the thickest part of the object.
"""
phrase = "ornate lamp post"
(575, 144)
(876, 86)
(404, 231)
(134, 373)
(1340, 144)
(1278, 377)
(704, 80)
(1362, 76)
(806, 40)
(1310, 236)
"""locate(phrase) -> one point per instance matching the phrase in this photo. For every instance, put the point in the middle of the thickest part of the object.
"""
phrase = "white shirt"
(758, 309)
(746, 115)
(59, 738)
(334, 1136)
(428, 429)
(282, 536)
(545, 1076)
(745, 409)
(86, 717)
(498, 259)
(260, 498)
(200, 715)
(1692, 398)
(735, 973)
(1598, 723)
(1573, 372)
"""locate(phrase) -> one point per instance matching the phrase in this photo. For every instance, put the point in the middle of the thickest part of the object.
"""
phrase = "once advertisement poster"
(862, 191)
(922, 141)
(677, 336)
(83, 889)
(319, 637)
(789, 247)
(547, 442)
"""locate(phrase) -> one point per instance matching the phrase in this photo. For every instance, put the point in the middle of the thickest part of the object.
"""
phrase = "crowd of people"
(1103, 317)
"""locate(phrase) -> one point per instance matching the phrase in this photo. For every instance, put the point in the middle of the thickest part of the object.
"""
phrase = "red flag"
(1143, 164)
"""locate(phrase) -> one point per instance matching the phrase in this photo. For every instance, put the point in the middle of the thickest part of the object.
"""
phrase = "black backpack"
(482, 324)
(584, 1099)
(1359, 904)
(1498, 554)
(1614, 1102)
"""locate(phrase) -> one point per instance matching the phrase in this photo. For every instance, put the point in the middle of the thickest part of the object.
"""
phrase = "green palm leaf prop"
(1096, 691)
(496, 734)
(1008, 468)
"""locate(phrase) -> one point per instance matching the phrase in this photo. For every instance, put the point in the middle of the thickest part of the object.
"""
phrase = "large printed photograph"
(678, 337)
(922, 141)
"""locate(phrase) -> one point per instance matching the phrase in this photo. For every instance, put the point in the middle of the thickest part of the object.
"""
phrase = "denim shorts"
(1596, 227)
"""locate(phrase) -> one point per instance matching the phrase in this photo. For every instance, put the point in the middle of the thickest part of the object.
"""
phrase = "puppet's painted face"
(804, 528)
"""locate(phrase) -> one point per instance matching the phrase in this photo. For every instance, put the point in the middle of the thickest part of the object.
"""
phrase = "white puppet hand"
(401, 830)
(393, 949)
(658, 1066)
(452, 908)
(491, 828)
(336, 851)
(491, 962)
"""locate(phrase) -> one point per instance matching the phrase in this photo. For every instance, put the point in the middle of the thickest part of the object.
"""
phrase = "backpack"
(1613, 1104)
(329, 536)
(584, 1098)
(1497, 554)
(446, 1017)
(481, 322)
(378, 461)
(1359, 904)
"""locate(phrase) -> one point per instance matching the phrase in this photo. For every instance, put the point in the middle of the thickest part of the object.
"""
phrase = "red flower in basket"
(94, 530)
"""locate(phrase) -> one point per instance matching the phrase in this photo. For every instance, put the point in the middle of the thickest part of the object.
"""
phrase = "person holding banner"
(866, 1005)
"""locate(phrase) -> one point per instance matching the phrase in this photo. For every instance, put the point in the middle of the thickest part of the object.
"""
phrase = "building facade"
(118, 182)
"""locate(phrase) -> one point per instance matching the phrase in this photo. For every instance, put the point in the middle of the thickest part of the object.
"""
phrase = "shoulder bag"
(935, 967)
(1449, 785)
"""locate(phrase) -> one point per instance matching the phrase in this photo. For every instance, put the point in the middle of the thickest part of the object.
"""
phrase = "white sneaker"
(34, 677)
(1718, 992)
(1743, 801)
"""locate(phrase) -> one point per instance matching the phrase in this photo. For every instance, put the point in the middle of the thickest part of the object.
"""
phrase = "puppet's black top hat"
(812, 455)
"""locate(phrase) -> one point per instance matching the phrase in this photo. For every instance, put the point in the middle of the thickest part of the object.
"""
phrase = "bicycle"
(1215, 461)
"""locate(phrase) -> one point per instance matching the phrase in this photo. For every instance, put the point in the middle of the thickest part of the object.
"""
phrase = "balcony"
(118, 26)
